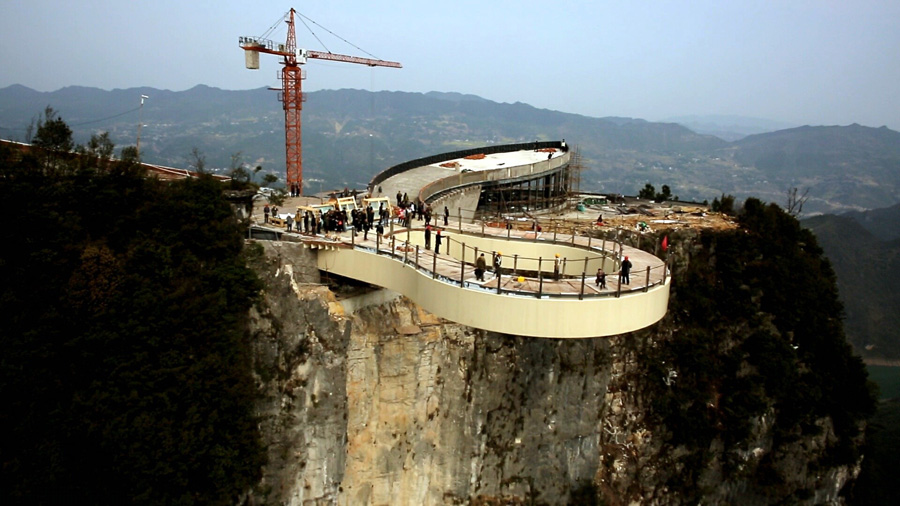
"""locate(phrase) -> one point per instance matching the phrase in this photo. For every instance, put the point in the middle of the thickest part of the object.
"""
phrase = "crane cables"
(276, 24)
(106, 118)
(77, 124)
(304, 17)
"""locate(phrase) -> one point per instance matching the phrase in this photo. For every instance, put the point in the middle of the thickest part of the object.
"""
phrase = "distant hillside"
(882, 223)
(854, 164)
(868, 274)
(350, 135)
(729, 128)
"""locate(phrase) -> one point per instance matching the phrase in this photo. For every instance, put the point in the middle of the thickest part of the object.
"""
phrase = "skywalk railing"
(460, 272)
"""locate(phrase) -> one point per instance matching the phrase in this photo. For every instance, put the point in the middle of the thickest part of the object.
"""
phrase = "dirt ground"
(657, 217)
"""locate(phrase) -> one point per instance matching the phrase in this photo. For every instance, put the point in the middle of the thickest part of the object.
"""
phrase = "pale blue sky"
(803, 62)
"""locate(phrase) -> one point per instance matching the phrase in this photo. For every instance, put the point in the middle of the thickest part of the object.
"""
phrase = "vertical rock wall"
(300, 350)
(442, 413)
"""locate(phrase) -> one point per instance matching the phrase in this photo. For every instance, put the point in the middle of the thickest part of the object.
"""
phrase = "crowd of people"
(317, 222)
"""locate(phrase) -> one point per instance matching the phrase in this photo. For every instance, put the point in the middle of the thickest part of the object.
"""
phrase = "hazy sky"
(803, 62)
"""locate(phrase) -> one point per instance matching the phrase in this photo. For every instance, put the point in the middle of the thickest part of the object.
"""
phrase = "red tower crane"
(291, 91)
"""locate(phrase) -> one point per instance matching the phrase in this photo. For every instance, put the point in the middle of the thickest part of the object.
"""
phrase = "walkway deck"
(524, 299)
(526, 303)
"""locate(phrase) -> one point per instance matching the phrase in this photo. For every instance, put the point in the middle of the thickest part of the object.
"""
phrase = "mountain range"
(350, 135)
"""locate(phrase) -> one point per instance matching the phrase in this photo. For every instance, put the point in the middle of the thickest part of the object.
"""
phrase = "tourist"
(266, 211)
(498, 260)
(446, 215)
(556, 268)
(601, 279)
(625, 271)
(480, 267)
(437, 243)
(428, 237)
(290, 222)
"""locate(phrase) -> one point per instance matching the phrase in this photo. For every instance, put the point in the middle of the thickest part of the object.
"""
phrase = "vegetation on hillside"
(756, 331)
(126, 373)
(868, 269)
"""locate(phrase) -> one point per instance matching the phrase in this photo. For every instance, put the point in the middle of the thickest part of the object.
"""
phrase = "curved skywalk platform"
(525, 299)
(526, 303)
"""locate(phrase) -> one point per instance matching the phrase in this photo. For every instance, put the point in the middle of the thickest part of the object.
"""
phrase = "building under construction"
(527, 194)
(533, 177)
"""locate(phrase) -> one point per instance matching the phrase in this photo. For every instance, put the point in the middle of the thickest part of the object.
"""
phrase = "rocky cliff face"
(390, 405)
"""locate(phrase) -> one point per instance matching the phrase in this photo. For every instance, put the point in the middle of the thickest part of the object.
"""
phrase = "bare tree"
(795, 202)
(238, 173)
(197, 160)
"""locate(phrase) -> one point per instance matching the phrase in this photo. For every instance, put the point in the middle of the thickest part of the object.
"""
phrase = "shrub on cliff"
(125, 373)
(758, 329)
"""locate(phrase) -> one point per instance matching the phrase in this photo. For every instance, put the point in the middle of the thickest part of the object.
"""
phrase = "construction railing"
(434, 189)
(443, 157)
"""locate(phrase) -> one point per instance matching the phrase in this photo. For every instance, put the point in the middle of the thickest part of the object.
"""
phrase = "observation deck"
(526, 297)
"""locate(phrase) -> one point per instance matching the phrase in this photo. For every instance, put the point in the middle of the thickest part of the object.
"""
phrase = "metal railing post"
(353, 235)
(515, 264)
(393, 246)
(585, 264)
(540, 280)
(589, 241)
(377, 242)
(462, 267)
(459, 210)
(619, 288)
(417, 257)
(406, 253)
(647, 283)
(482, 228)
(433, 266)
(581, 295)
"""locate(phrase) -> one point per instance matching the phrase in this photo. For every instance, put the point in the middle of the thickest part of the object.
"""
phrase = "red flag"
(665, 243)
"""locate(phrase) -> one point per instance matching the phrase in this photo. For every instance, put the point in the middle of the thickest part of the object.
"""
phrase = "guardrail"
(409, 253)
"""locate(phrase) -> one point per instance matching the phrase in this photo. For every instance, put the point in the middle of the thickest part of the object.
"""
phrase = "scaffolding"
(548, 191)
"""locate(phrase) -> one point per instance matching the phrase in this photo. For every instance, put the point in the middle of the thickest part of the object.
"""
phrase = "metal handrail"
(402, 255)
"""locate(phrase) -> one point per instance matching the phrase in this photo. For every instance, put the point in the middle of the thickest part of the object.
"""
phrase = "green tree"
(724, 205)
(268, 179)
(126, 375)
(666, 194)
(648, 192)
(53, 134)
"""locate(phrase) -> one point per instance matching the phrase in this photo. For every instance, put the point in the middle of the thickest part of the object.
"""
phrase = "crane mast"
(291, 96)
